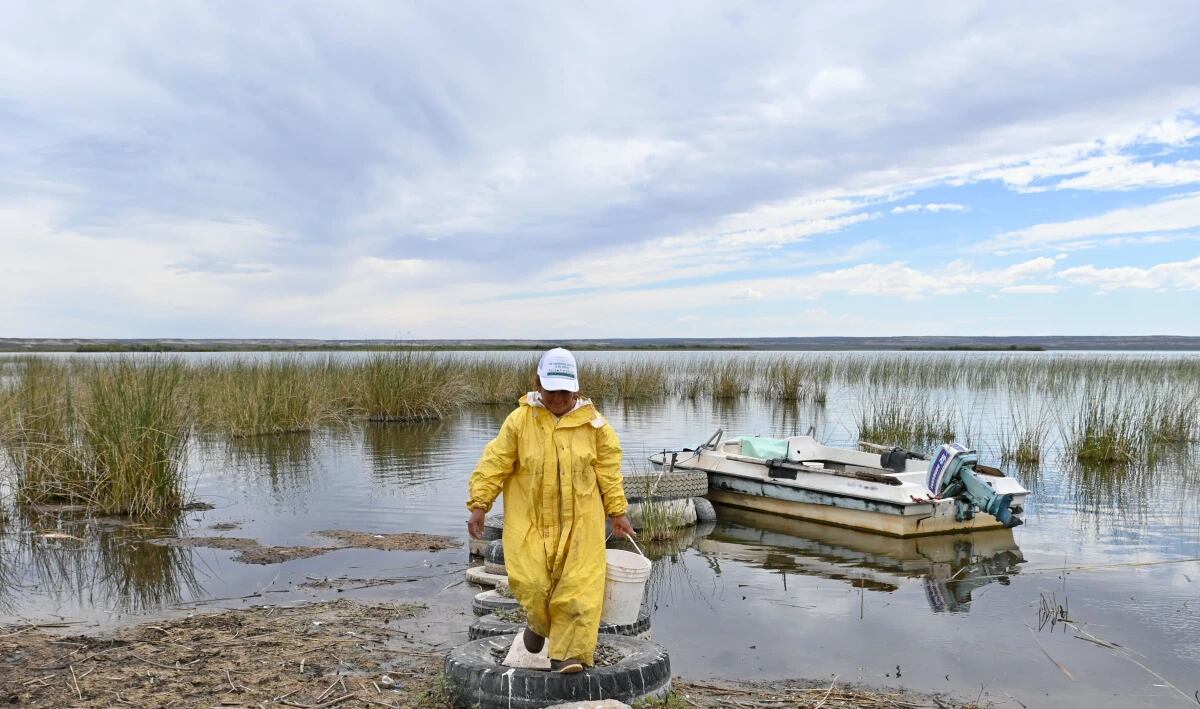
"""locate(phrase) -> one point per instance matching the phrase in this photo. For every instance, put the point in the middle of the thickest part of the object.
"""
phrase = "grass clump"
(136, 429)
(110, 435)
(913, 424)
(629, 379)
(795, 379)
(284, 395)
(497, 380)
(1024, 443)
(1105, 430)
(409, 386)
(44, 440)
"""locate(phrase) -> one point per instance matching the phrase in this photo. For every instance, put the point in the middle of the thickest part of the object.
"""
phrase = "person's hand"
(621, 526)
(475, 524)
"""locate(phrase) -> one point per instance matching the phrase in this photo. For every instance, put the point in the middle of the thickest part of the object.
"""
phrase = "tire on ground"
(667, 486)
(493, 558)
(489, 626)
(475, 679)
(493, 526)
(479, 576)
(487, 602)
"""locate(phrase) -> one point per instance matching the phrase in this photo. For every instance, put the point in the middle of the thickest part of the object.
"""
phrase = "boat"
(891, 491)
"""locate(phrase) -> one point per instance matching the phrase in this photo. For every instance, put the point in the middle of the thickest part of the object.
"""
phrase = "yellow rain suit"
(559, 479)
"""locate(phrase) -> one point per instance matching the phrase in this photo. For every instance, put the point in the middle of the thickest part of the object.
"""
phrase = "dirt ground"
(250, 551)
(339, 653)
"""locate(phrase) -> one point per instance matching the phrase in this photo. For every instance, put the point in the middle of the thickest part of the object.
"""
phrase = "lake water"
(752, 597)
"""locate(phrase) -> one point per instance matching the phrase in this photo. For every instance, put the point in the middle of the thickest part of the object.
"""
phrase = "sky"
(549, 170)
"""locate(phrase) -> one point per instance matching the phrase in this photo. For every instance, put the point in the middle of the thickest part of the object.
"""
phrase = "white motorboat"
(894, 491)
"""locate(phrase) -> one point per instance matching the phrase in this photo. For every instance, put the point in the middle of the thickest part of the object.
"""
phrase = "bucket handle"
(635, 546)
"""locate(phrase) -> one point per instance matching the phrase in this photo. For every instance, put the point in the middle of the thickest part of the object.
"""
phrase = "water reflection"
(285, 460)
(103, 563)
(404, 451)
(951, 566)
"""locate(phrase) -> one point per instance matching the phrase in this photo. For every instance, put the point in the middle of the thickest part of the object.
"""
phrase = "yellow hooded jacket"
(559, 479)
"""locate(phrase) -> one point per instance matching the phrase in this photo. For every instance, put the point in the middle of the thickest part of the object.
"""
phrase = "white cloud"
(1126, 174)
(388, 168)
(835, 81)
(1031, 289)
(933, 207)
(746, 294)
(1178, 275)
(1099, 164)
(1174, 214)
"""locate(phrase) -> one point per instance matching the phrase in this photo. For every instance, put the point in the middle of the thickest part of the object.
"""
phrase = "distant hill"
(906, 342)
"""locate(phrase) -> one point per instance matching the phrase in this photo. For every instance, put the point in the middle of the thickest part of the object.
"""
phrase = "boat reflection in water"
(951, 566)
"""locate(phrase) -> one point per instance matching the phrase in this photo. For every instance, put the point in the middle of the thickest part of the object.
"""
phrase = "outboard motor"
(952, 474)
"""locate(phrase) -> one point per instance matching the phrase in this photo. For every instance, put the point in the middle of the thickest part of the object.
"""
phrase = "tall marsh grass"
(254, 397)
(1105, 430)
(108, 435)
(408, 386)
(135, 431)
(910, 422)
(45, 441)
(1026, 438)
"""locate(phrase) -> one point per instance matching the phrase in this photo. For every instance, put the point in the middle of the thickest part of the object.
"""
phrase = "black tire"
(475, 679)
(667, 486)
(490, 626)
(705, 512)
(493, 526)
(488, 602)
(493, 558)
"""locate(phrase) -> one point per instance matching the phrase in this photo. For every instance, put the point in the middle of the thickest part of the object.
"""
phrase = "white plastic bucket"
(624, 584)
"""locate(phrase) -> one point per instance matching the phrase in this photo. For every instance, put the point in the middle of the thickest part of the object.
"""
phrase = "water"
(753, 596)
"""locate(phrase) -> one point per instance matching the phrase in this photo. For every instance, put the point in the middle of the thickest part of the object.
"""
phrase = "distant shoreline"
(898, 343)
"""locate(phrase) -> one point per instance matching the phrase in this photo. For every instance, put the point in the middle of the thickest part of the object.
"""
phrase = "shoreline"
(344, 652)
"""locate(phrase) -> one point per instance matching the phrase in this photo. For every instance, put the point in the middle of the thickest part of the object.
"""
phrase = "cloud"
(746, 294)
(1031, 289)
(934, 207)
(1178, 275)
(1174, 214)
(1126, 174)
(387, 167)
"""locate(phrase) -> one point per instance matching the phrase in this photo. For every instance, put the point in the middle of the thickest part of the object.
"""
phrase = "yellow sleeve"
(498, 461)
(608, 471)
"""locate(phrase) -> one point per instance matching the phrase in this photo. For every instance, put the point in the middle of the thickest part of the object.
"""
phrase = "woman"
(558, 463)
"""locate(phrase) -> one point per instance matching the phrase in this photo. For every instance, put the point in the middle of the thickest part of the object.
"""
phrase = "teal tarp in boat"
(768, 448)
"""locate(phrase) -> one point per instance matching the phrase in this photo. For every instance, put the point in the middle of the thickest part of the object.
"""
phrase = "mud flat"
(340, 653)
(250, 551)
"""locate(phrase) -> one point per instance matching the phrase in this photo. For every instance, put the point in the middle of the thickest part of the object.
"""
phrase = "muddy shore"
(341, 653)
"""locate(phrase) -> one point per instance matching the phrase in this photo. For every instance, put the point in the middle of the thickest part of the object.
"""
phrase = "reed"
(913, 423)
(626, 379)
(136, 428)
(1026, 439)
(45, 441)
(1105, 430)
(278, 395)
(789, 378)
(409, 386)
(495, 380)
(1172, 418)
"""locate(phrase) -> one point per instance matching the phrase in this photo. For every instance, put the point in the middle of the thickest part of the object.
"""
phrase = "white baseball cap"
(557, 371)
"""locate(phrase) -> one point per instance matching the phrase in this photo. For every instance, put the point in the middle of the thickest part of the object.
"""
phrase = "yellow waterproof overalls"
(560, 479)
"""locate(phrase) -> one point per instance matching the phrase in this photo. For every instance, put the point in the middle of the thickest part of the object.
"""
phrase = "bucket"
(624, 584)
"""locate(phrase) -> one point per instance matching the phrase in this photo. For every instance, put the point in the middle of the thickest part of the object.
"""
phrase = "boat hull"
(916, 524)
